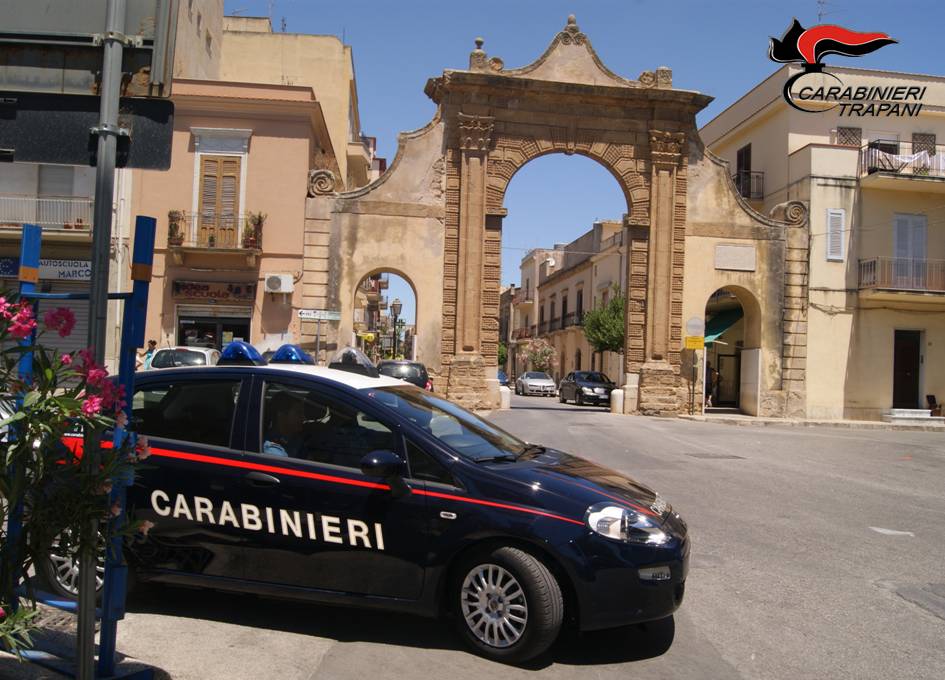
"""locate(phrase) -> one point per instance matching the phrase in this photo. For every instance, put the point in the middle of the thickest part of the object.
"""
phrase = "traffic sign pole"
(107, 132)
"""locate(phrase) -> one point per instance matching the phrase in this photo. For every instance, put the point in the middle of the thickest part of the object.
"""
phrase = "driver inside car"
(285, 437)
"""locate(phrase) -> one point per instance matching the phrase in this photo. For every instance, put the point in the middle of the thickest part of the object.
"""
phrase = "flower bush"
(61, 489)
(539, 354)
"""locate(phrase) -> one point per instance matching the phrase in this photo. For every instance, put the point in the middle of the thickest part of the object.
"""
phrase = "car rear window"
(169, 358)
(401, 370)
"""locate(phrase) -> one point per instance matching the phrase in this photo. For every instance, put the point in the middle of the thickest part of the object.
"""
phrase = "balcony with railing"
(902, 275)
(522, 333)
(749, 184)
(204, 233)
(543, 328)
(66, 214)
(523, 296)
(888, 161)
(572, 319)
(554, 324)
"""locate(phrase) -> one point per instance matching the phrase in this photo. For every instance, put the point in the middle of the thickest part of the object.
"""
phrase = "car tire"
(579, 399)
(561, 397)
(514, 588)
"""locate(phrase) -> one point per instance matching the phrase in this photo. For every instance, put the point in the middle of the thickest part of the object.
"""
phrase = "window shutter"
(836, 226)
(56, 180)
(219, 200)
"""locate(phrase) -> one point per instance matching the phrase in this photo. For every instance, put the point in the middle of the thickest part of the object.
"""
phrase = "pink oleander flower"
(3, 614)
(145, 527)
(96, 376)
(22, 323)
(113, 397)
(92, 405)
(5, 308)
(60, 319)
(66, 359)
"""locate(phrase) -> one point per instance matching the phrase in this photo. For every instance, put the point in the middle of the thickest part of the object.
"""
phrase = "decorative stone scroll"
(321, 183)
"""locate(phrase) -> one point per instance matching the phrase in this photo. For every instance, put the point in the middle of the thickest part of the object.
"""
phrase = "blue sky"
(715, 46)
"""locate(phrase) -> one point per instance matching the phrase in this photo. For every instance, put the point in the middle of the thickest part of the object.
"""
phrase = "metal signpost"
(51, 53)
(319, 315)
(695, 340)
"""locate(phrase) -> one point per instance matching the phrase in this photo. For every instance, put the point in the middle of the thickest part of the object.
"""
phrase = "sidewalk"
(739, 419)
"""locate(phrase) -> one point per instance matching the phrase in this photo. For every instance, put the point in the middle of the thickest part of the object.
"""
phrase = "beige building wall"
(851, 329)
(253, 53)
(278, 126)
(199, 39)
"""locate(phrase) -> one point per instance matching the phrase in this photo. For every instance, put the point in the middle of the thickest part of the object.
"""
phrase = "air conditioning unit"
(279, 283)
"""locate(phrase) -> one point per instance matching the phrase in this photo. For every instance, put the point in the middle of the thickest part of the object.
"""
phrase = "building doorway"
(385, 317)
(732, 351)
(195, 331)
(906, 366)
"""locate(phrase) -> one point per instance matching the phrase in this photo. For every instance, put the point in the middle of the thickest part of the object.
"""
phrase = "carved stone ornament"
(792, 212)
(666, 147)
(321, 182)
(571, 35)
(475, 132)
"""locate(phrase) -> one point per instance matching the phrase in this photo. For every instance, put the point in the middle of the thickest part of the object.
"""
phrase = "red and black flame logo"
(808, 46)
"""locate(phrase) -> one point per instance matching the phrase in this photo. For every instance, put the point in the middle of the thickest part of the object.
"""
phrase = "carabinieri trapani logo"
(808, 46)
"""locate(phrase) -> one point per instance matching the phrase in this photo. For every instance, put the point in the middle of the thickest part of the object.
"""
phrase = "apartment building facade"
(558, 286)
(875, 187)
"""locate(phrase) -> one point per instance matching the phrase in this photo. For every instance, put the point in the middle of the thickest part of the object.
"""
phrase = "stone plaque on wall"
(736, 257)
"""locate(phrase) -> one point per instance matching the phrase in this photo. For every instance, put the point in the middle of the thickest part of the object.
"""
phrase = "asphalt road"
(818, 553)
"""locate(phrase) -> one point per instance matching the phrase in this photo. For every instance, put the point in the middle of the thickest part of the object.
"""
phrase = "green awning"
(721, 322)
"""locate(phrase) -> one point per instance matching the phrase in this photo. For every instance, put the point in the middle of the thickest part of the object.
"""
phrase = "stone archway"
(496, 121)
(437, 214)
(369, 297)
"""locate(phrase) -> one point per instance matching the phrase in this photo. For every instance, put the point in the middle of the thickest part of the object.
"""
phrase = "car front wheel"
(59, 572)
(510, 605)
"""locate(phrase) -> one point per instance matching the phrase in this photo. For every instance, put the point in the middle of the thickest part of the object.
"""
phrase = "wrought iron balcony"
(554, 324)
(903, 159)
(523, 296)
(209, 231)
(542, 328)
(66, 213)
(904, 274)
(572, 319)
(522, 333)
(750, 184)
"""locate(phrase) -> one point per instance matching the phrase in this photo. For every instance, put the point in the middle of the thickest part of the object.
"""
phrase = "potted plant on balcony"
(175, 232)
(252, 232)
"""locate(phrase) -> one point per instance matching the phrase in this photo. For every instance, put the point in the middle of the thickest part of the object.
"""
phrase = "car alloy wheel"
(494, 606)
(63, 570)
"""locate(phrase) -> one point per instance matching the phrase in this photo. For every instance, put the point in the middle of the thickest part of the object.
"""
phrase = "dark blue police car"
(325, 485)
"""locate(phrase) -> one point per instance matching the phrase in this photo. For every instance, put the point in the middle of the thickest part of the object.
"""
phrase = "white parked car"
(535, 382)
(174, 357)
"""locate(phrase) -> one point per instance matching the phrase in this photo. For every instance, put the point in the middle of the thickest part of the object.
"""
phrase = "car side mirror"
(388, 466)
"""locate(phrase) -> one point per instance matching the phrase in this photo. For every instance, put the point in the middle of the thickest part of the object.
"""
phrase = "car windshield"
(465, 433)
(537, 376)
(592, 376)
(403, 371)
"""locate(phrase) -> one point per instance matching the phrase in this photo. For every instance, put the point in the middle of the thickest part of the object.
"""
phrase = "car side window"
(194, 411)
(163, 359)
(304, 424)
(424, 467)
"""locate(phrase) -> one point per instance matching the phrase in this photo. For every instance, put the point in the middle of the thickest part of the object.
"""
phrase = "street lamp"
(395, 308)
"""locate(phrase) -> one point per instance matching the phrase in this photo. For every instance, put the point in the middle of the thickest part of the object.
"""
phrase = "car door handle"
(261, 479)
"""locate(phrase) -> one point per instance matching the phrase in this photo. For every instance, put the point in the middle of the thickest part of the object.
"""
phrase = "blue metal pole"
(29, 277)
(132, 337)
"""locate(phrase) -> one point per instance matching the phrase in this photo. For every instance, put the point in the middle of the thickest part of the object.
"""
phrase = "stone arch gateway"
(437, 213)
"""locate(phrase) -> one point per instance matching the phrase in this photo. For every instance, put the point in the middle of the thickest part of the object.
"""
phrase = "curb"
(840, 424)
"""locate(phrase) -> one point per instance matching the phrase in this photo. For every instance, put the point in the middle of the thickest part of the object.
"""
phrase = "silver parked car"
(535, 382)
(174, 357)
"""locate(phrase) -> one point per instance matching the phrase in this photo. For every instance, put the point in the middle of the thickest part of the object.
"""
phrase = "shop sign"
(215, 291)
(50, 270)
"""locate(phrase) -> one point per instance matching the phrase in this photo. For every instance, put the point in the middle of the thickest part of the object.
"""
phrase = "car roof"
(193, 348)
(353, 380)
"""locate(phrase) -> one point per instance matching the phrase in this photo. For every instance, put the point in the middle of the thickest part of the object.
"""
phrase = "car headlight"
(587, 390)
(624, 524)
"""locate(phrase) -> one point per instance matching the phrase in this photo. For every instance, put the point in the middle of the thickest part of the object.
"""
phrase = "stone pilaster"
(659, 375)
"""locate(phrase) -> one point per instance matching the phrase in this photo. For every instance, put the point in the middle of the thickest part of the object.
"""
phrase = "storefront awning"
(721, 322)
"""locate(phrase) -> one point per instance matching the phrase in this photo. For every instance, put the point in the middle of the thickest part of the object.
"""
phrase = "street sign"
(695, 342)
(54, 46)
(695, 326)
(56, 128)
(319, 315)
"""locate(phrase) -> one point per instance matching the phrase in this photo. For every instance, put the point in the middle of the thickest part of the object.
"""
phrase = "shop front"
(56, 276)
(212, 313)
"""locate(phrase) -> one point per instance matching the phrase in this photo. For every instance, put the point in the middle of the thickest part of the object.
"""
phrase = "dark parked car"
(410, 371)
(586, 387)
(503, 378)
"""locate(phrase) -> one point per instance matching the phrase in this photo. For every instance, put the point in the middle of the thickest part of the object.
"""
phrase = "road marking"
(892, 532)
